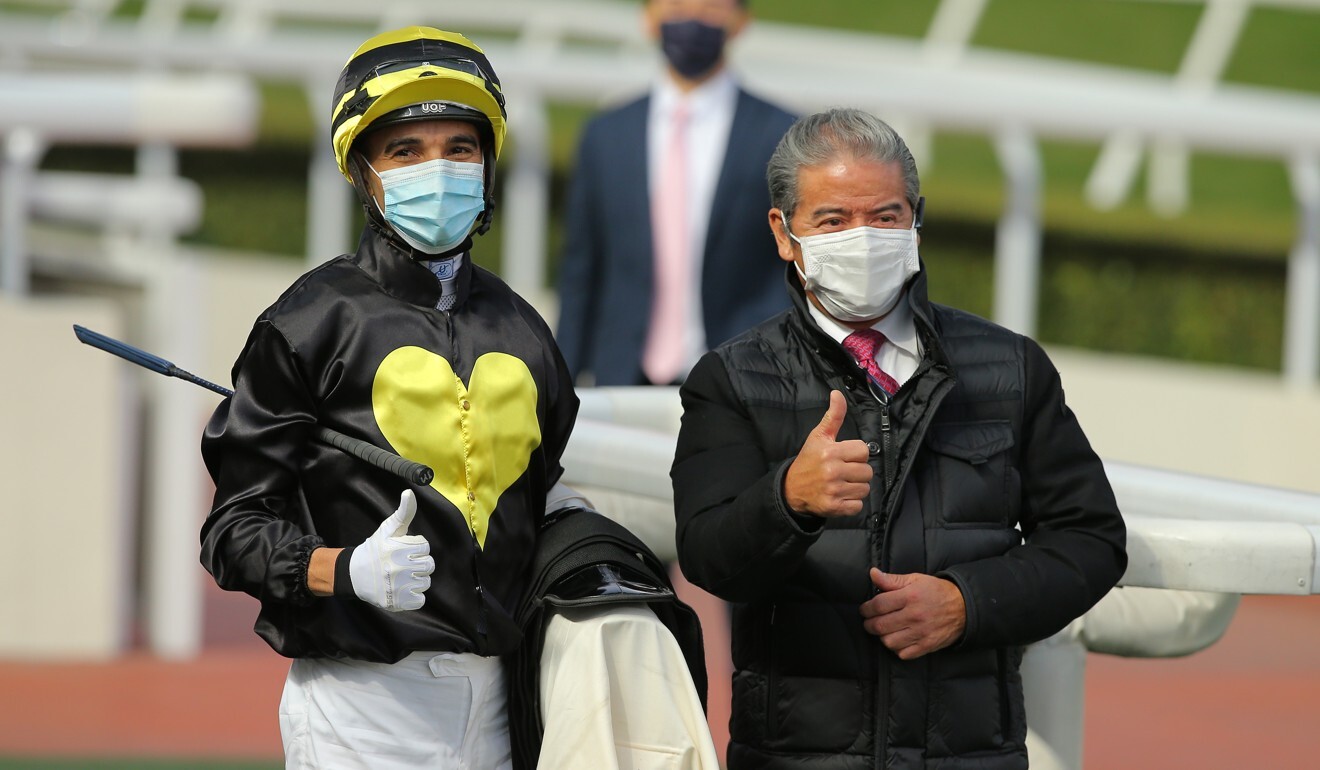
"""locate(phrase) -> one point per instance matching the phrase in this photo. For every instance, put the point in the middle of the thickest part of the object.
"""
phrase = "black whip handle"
(405, 469)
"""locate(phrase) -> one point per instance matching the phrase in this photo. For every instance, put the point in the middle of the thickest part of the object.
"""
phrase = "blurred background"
(1136, 183)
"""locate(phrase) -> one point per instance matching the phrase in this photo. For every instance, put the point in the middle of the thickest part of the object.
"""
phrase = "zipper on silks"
(483, 620)
(483, 623)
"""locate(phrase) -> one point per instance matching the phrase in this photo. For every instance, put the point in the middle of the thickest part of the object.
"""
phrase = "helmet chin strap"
(488, 157)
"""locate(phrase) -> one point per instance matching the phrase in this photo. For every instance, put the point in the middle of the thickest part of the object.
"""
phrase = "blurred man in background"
(894, 493)
(396, 623)
(665, 238)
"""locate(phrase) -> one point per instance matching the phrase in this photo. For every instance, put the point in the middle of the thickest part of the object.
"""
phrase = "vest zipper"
(887, 450)
(882, 521)
(887, 464)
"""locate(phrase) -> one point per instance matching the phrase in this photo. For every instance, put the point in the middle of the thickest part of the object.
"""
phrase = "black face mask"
(691, 46)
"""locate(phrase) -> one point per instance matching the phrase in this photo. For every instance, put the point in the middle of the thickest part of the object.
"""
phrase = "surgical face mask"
(692, 47)
(858, 274)
(433, 205)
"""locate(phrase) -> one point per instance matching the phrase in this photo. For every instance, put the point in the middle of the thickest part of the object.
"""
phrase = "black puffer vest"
(947, 441)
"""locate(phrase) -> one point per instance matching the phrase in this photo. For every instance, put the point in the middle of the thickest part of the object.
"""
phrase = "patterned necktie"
(663, 357)
(863, 345)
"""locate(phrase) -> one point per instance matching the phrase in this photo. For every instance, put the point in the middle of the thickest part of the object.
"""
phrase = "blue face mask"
(433, 205)
(691, 46)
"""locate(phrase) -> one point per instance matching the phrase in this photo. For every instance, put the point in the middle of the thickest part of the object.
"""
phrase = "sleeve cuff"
(804, 523)
(969, 608)
(343, 577)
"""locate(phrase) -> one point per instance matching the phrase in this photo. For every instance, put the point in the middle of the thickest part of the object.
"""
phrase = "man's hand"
(829, 477)
(392, 569)
(914, 614)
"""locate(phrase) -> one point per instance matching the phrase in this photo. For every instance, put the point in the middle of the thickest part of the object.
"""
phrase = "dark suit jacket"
(606, 273)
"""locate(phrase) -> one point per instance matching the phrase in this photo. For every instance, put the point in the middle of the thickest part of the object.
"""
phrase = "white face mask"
(858, 274)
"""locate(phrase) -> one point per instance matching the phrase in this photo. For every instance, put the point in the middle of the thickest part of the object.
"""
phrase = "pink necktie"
(663, 359)
(863, 345)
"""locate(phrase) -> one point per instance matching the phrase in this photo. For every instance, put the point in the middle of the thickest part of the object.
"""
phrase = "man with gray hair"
(893, 493)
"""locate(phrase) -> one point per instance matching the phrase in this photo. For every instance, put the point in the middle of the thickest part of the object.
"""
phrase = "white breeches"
(429, 710)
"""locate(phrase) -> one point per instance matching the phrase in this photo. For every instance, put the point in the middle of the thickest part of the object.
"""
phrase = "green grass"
(892, 17)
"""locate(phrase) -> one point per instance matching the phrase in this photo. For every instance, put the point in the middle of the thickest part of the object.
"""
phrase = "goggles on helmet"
(414, 67)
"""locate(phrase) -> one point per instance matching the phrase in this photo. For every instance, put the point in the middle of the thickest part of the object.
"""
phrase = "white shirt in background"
(710, 118)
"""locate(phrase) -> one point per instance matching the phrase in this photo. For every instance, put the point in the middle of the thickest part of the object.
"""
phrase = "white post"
(951, 30)
(1168, 185)
(1054, 683)
(174, 470)
(1120, 156)
(173, 498)
(1168, 190)
(1301, 333)
(22, 152)
(1018, 237)
(330, 198)
(947, 39)
(526, 201)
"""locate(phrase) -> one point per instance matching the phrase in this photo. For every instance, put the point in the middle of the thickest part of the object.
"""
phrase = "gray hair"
(815, 139)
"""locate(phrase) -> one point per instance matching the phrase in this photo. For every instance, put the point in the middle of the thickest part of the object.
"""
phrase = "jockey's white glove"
(392, 569)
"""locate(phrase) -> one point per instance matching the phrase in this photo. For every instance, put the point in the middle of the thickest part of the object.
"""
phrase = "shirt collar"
(721, 88)
(445, 269)
(898, 327)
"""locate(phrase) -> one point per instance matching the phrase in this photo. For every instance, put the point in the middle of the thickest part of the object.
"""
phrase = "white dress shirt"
(710, 117)
(901, 353)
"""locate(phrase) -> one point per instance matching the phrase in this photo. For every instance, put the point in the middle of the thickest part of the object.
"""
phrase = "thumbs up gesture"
(392, 569)
(829, 477)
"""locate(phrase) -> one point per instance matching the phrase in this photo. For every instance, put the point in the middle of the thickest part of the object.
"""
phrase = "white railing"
(587, 50)
(1184, 531)
(1206, 538)
(152, 111)
(1203, 63)
(583, 51)
(155, 112)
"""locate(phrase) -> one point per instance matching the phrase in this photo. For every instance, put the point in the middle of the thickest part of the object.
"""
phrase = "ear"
(650, 21)
(783, 243)
(365, 178)
(737, 23)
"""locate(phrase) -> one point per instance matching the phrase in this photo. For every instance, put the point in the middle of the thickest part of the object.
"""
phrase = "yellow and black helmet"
(407, 74)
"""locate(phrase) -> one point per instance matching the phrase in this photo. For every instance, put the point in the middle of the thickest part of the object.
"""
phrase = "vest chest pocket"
(973, 476)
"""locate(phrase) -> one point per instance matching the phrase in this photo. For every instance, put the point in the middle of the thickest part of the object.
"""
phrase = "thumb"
(885, 581)
(833, 419)
(397, 524)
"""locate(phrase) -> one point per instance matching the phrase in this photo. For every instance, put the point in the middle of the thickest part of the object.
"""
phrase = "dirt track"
(1251, 701)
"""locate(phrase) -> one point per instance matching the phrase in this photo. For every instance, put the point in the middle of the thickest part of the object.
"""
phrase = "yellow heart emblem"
(478, 437)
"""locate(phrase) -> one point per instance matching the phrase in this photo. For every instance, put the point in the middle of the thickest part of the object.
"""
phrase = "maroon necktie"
(863, 345)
